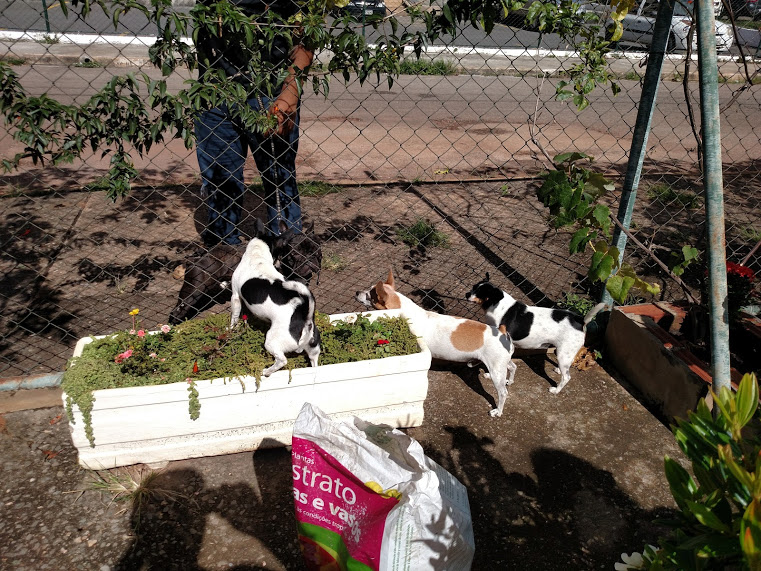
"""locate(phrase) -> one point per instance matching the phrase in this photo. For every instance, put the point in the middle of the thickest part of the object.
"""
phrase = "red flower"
(382, 342)
(195, 367)
(244, 317)
(739, 270)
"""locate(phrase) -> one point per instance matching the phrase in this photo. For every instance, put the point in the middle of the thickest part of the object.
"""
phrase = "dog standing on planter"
(287, 305)
(451, 338)
(533, 327)
(206, 276)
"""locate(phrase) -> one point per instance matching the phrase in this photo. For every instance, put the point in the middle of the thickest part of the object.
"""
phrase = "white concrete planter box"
(151, 424)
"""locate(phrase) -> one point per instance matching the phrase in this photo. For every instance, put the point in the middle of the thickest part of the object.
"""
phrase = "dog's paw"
(554, 390)
(495, 412)
(487, 376)
(557, 370)
(474, 363)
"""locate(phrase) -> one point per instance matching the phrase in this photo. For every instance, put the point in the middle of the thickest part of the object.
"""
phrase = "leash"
(278, 207)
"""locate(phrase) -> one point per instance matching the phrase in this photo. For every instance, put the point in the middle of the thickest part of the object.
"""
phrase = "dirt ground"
(76, 264)
(556, 483)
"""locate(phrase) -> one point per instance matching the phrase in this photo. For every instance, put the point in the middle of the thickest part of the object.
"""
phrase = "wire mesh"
(434, 176)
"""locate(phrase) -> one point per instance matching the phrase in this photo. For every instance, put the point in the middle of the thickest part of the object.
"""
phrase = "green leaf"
(601, 214)
(690, 253)
(747, 399)
(618, 287)
(571, 157)
(705, 516)
(601, 266)
(681, 483)
(579, 240)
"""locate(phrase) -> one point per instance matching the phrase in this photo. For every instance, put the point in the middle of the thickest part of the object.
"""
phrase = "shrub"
(718, 525)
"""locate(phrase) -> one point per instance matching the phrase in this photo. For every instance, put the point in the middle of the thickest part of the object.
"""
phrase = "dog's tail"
(308, 332)
(593, 312)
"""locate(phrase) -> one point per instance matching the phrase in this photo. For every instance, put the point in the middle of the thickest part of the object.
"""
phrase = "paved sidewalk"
(580, 472)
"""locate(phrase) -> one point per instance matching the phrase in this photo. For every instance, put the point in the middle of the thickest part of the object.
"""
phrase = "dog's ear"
(259, 228)
(390, 278)
(282, 226)
(380, 294)
(308, 228)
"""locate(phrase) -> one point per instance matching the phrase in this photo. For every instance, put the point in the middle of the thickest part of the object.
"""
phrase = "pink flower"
(131, 331)
(166, 328)
(122, 356)
(152, 355)
(141, 333)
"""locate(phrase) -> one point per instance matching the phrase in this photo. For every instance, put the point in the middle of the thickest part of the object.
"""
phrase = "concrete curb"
(120, 51)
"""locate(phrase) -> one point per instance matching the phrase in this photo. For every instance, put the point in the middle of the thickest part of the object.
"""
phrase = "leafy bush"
(718, 524)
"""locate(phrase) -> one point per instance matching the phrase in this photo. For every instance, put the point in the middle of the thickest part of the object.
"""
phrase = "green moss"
(202, 349)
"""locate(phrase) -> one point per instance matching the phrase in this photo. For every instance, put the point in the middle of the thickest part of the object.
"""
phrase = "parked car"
(753, 9)
(358, 8)
(638, 25)
(750, 8)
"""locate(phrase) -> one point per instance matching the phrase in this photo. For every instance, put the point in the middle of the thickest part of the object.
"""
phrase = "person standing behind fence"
(222, 139)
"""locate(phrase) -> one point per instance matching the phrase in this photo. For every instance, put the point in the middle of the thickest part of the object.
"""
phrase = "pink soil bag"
(368, 498)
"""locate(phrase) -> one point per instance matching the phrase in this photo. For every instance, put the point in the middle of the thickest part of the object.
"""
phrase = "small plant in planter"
(204, 349)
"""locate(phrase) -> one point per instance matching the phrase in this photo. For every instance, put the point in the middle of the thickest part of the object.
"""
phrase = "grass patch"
(426, 67)
(576, 303)
(317, 188)
(633, 76)
(12, 60)
(50, 39)
(666, 194)
(137, 490)
(204, 349)
(422, 233)
(334, 263)
(88, 63)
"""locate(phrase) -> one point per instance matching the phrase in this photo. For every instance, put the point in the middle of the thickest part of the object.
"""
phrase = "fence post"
(45, 14)
(714, 194)
(642, 127)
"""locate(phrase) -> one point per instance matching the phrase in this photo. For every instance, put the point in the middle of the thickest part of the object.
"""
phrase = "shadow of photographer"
(572, 515)
(171, 516)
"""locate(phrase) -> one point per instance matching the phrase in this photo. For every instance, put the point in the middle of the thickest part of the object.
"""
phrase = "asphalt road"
(29, 15)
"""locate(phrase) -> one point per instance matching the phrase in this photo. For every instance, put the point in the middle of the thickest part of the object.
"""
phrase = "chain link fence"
(434, 176)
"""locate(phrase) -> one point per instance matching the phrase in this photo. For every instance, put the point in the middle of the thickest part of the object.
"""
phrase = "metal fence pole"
(45, 14)
(642, 127)
(714, 194)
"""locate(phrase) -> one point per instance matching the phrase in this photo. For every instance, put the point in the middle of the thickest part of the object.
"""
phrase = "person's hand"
(285, 112)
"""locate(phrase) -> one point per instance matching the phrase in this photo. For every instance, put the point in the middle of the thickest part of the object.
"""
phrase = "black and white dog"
(533, 327)
(287, 305)
(206, 275)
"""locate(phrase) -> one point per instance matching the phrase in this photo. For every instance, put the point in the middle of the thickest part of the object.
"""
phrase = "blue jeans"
(221, 147)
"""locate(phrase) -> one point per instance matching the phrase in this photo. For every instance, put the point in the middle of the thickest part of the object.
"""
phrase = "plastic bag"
(368, 498)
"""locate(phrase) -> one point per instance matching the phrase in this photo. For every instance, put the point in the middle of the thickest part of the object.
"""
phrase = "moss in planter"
(202, 349)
